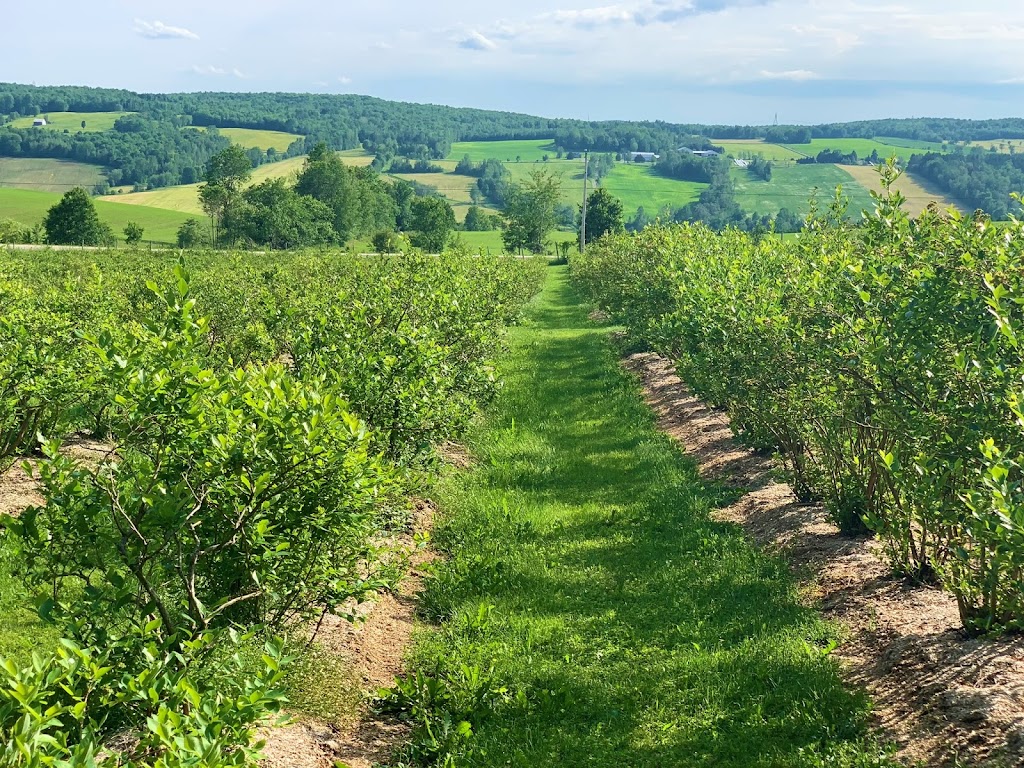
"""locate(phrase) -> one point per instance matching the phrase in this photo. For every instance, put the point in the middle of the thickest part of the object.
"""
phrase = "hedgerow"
(882, 361)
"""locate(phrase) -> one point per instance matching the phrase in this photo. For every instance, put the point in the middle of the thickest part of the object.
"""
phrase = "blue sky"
(729, 61)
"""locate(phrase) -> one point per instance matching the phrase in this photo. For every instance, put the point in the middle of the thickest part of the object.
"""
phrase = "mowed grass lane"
(583, 573)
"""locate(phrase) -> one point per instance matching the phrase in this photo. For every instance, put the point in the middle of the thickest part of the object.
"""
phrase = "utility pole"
(583, 218)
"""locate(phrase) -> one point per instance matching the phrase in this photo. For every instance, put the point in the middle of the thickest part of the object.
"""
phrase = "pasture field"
(527, 150)
(635, 184)
(30, 207)
(792, 186)
(917, 194)
(185, 197)
(926, 146)
(248, 137)
(490, 242)
(570, 173)
(455, 189)
(863, 148)
(95, 122)
(1001, 145)
(750, 147)
(48, 175)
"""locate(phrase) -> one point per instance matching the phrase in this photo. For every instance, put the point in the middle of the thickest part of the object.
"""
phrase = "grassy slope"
(917, 194)
(185, 197)
(264, 140)
(46, 175)
(636, 185)
(863, 147)
(751, 147)
(95, 122)
(629, 628)
(30, 207)
(506, 151)
(792, 186)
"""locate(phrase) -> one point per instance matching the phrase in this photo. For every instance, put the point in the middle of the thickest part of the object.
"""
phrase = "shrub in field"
(131, 701)
(243, 497)
(881, 361)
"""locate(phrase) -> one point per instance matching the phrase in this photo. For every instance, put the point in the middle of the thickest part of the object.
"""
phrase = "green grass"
(264, 140)
(863, 147)
(21, 631)
(636, 185)
(30, 207)
(44, 174)
(751, 147)
(506, 151)
(95, 122)
(185, 197)
(925, 146)
(582, 572)
(490, 242)
(792, 186)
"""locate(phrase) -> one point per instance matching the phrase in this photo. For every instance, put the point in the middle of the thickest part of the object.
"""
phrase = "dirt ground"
(374, 648)
(943, 698)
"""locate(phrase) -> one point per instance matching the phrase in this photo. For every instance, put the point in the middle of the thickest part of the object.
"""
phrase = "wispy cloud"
(790, 74)
(209, 70)
(157, 30)
(475, 41)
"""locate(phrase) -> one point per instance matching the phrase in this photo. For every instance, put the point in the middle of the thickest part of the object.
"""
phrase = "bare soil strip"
(374, 649)
(943, 698)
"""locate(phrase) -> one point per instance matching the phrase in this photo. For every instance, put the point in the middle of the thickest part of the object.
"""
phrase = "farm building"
(705, 153)
(645, 157)
(39, 122)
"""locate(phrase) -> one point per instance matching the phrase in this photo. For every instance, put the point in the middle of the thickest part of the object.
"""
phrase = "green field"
(185, 197)
(636, 185)
(490, 242)
(95, 122)
(751, 147)
(1001, 145)
(30, 207)
(569, 172)
(925, 146)
(46, 175)
(863, 147)
(506, 151)
(248, 137)
(792, 186)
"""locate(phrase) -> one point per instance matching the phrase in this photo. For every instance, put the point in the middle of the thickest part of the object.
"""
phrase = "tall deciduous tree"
(432, 221)
(225, 176)
(74, 221)
(604, 214)
(530, 211)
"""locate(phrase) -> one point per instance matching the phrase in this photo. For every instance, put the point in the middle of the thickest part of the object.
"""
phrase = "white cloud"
(475, 41)
(790, 74)
(157, 30)
(344, 80)
(209, 70)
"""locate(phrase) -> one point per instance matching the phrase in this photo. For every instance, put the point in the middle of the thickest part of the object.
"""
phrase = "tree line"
(981, 179)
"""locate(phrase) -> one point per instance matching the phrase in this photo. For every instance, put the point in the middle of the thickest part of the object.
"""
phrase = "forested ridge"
(152, 148)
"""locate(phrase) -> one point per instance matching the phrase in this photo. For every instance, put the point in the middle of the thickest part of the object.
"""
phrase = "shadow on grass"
(638, 632)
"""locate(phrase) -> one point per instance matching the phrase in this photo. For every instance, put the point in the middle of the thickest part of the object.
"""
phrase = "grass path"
(583, 575)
